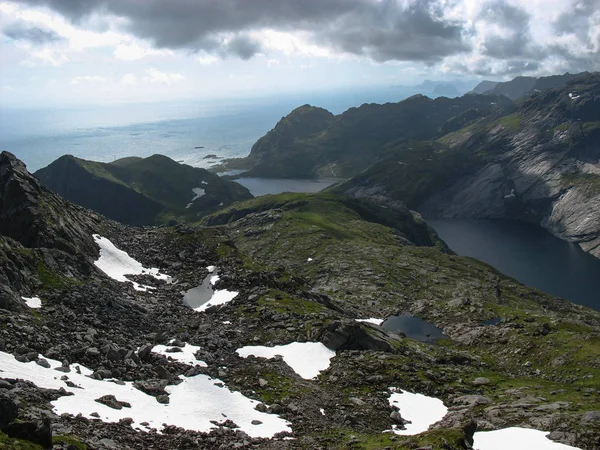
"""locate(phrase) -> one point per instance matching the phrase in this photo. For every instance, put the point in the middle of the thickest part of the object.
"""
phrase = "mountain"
(141, 191)
(484, 86)
(311, 142)
(539, 164)
(90, 359)
(521, 86)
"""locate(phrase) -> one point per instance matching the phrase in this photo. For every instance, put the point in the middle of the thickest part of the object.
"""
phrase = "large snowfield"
(117, 264)
(307, 359)
(193, 403)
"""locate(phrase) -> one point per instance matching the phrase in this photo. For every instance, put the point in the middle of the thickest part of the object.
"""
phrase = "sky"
(62, 52)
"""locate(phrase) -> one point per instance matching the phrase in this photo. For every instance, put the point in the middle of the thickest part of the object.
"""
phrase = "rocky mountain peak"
(36, 217)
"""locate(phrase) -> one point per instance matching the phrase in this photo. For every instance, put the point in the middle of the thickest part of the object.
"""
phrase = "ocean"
(227, 128)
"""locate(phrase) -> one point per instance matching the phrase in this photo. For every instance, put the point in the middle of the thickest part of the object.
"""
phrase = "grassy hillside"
(141, 191)
(542, 348)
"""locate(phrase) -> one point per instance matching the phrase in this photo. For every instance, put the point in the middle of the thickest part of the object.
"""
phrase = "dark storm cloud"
(517, 43)
(392, 33)
(382, 30)
(36, 35)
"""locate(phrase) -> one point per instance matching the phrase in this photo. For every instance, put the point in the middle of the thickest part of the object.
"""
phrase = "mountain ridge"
(140, 191)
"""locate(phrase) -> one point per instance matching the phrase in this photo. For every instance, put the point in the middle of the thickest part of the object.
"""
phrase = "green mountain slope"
(141, 191)
(310, 142)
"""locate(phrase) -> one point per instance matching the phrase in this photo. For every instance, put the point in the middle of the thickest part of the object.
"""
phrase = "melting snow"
(219, 297)
(198, 192)
(186, 355)
(307, 359)
(371, 320)
(516, 438)
(33, 302)
(421, 410)
(116, 264)
(193, 403)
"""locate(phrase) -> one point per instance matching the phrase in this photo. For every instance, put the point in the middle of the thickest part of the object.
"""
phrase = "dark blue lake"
(528, 253)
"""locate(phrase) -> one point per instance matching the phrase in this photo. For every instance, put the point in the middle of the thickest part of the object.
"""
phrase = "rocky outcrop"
(38, 218)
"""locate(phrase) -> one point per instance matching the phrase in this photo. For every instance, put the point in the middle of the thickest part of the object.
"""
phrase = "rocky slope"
(141, 191)
(305, 268)
(539, 164)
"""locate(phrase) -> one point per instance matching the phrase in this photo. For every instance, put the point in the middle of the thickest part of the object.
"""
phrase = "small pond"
(413, 328)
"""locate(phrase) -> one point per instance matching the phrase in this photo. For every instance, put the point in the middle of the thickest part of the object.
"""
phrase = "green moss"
(511, 122)
(589, 182)
(7, 443)
(562, 127)
(284, 303)
(69, 440)
(343, 438)
(588, 127)
(52, 280)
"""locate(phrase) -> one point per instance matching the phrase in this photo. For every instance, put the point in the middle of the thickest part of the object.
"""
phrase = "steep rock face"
(45, 241)
(538, 164)
(141, 191)
(549, 172)
(34, 216)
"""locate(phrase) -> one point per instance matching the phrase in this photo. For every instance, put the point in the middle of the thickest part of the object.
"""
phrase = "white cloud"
(166, 78)
(89, 79)
(132, 51)
(129, 79)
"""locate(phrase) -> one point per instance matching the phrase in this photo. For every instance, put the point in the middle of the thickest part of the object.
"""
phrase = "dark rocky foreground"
(538, 367)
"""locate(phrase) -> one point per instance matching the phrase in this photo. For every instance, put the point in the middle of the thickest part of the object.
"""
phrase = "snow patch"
(226, 322)
(219, 297)
(422, 411)
(33, 302)
(307, 359)
(117, 264)
(516, 438)
(371, 320)
(193, 403)
(573, 96)
(322, 411)
(309, 260)
(186, 355)
(211, 269)
(198, 192)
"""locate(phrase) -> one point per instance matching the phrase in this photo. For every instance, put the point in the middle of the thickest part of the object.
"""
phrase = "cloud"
(166, 78)
(495, 37)
(89, 79)
(380, 29)
(129, 79)
(21, 31)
